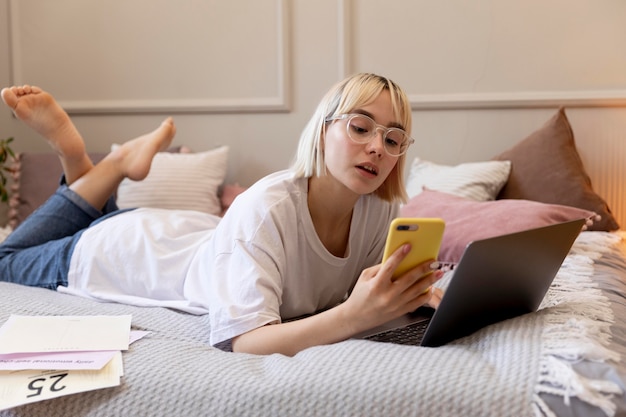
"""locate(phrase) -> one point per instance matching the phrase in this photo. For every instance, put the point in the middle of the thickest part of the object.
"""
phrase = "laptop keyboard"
(408, 335)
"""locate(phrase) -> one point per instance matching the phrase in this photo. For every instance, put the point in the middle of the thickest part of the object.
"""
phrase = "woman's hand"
(377, 298)
(435, 299)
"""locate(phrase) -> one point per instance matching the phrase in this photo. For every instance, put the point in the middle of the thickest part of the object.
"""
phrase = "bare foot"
(42, 113)
(130, 160)
(134, 158)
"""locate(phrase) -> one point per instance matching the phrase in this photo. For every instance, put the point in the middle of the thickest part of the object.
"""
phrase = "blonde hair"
(355, 91)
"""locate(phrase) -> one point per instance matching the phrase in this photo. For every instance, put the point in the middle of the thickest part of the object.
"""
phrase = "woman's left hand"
(435, 298)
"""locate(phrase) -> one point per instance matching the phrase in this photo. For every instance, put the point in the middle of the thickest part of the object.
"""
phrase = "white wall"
(481, 75)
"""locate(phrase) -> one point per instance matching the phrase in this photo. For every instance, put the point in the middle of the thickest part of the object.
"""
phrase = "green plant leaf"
(6, 156)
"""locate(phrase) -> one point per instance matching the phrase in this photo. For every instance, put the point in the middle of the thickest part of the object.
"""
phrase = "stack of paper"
(43, 357)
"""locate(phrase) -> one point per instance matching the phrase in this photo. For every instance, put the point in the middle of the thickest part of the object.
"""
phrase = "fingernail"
(434, 266)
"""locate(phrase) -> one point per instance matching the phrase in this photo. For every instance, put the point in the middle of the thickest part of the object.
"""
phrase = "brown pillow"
(469, 220)
(546, 167)
(37, 176)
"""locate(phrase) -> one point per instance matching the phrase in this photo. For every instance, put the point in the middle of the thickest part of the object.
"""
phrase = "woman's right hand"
(377, 298)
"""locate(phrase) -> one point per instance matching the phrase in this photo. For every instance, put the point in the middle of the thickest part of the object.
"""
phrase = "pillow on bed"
(35, 178)
(476, 180)
(546, 167)
(468, 220)
(183, 181)
(228, 195)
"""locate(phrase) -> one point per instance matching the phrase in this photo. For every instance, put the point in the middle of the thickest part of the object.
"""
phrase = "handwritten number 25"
(39, 384)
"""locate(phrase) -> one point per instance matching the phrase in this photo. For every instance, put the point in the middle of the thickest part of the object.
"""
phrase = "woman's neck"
(331, 210)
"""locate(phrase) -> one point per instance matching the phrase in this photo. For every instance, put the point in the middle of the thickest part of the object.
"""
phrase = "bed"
(564, 360)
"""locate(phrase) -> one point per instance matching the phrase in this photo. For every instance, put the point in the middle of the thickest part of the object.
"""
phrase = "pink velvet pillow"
(469, 220)
(229, 193)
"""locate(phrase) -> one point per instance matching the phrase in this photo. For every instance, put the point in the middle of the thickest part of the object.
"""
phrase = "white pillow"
(182, 181)
(480, 181)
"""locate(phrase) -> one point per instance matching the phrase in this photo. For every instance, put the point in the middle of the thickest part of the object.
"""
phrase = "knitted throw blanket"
(504, 369)
(576, 326)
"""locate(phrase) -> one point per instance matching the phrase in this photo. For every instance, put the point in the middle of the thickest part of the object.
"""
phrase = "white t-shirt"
(262, 263)
(269, 264)
(145, 257)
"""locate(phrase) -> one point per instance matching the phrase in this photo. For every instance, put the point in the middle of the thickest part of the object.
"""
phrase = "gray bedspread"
(497, 371)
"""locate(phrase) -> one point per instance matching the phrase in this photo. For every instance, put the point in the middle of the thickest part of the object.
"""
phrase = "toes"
(25, 89)
(18, 90)
(9, 97)
(169, 126)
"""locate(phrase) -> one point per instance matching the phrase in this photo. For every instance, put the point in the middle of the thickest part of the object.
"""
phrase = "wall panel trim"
(281, 102)
(518, 100)
(476, 100)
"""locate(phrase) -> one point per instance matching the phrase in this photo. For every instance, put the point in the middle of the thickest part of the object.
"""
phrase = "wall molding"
(344, 38)
(518, 100)
(281, 102)
(475, 100)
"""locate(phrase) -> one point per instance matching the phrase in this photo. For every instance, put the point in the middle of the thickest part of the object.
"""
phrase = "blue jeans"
(38, 252)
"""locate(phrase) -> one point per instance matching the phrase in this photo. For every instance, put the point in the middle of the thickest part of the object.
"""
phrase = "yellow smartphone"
(424, 235)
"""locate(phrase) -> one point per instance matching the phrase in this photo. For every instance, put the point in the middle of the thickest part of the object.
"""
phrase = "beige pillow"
(546, 167)
(479, 181)
(182, 181)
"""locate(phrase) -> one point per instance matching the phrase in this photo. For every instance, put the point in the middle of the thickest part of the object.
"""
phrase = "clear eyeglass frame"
(363, 129)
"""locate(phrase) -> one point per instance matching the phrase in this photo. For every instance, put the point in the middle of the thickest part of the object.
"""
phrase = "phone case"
(424, 235)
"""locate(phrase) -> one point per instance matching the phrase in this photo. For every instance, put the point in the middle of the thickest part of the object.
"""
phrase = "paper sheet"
(29, 334)
(23, 387)
(61, 360)
(55, 361)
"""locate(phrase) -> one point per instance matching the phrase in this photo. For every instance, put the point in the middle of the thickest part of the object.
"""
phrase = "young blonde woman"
(295, 262)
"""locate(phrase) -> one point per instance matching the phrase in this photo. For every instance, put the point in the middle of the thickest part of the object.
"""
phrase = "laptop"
(496, 279)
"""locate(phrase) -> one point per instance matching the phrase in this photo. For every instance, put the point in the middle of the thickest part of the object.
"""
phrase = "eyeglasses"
(362, 129)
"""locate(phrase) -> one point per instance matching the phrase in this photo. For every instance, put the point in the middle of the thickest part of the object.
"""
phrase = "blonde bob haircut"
(352, 93)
